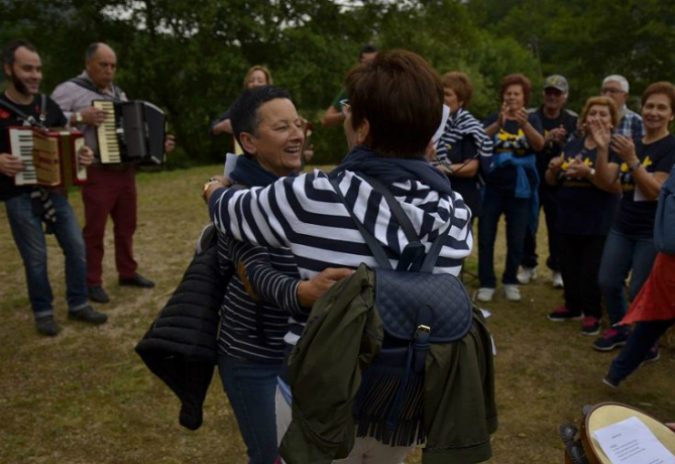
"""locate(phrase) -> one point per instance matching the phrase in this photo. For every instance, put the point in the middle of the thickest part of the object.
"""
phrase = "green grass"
(85, 397)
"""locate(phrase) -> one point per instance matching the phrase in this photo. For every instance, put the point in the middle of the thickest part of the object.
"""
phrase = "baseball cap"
(558, 82)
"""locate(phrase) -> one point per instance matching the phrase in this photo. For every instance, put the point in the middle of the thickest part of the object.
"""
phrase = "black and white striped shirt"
(260, 297)
(305, 214)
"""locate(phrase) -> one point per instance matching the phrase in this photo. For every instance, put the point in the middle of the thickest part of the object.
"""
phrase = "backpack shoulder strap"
(375, 247)
(394, 206)
(435, 250)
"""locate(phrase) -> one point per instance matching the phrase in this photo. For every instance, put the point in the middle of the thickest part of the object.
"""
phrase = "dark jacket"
(345, 332)
(180, 346)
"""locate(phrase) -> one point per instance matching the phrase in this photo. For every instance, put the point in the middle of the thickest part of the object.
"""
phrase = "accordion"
(133, 131)
(50, 156)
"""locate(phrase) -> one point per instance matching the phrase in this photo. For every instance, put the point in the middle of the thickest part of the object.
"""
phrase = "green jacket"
(343, 335)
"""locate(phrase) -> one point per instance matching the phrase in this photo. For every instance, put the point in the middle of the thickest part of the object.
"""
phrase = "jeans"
(27, 229)
(251, 388)
(547, 199)
(623, 252)
(640, 341)
(517, 213)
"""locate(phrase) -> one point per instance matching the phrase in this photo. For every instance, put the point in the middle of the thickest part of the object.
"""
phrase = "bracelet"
(635, 166)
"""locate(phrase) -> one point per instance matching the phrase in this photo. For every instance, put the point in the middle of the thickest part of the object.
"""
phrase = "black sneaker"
(47, 326)
(89, 315)
(137, 281)
(98, 295)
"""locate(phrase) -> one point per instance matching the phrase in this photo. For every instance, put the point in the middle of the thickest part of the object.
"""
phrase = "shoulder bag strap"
(375, 247)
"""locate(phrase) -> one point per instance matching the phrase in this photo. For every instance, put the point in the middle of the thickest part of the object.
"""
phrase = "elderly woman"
(264, 289)
(464, 143)
(511, 187)
(641, 167)
(395, 107)
(256, 76)
(586, 210)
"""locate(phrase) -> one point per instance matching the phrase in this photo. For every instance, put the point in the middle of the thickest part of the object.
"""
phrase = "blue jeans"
(517, 213)
(27, 229)
(251, 388)
(623, 252)
(640, 341)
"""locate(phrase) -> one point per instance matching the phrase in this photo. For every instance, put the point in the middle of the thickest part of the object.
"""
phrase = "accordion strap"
(30, 120)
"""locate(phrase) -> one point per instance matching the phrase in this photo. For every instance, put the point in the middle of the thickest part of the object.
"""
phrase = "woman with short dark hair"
(394, 110)
(511, 187)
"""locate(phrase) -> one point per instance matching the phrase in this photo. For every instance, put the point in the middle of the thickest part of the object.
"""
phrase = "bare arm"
(223, 126)
(649, 184)
(332, 117)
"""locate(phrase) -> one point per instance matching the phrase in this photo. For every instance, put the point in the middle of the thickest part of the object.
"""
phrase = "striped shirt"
(260, 297)
(305, 214)
(459, 125)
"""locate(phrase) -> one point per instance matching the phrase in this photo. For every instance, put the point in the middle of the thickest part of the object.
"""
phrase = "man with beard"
(110, 189)
(559, 124)
(29, 207)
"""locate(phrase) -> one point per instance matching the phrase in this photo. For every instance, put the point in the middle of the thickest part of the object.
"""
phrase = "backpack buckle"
(422, 328)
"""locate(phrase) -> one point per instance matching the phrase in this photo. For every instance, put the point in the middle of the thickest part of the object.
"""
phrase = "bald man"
(111, 189)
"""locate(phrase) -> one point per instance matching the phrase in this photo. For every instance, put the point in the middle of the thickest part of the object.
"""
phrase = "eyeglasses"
(345, 107)
(611, 90)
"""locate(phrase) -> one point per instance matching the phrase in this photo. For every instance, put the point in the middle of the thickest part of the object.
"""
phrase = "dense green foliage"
(190, 57)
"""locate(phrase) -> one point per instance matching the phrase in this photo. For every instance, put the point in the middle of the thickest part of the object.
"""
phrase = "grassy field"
(85, 396)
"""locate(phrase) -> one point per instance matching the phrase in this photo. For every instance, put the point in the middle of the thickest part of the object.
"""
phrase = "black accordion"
(134, 131)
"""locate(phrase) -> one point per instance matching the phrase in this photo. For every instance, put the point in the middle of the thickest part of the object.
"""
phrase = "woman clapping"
(586, 210)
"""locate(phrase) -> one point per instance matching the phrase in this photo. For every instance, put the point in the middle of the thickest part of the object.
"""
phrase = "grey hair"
(618, 78)
(91, 50)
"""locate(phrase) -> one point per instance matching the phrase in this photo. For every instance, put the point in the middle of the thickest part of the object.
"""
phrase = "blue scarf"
(250, 173)
(390, 170)
(523, 187)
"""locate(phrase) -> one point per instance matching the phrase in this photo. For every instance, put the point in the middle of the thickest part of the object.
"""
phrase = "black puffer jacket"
(180, 346)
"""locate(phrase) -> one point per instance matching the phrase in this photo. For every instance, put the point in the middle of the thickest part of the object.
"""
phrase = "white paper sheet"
(631, 442)
(230, 163)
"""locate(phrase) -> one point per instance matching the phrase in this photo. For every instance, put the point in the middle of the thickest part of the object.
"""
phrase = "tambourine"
(582, 448)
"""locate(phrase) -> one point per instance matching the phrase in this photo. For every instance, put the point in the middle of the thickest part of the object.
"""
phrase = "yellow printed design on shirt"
(508, 142)
(627, 183)
(573, 182)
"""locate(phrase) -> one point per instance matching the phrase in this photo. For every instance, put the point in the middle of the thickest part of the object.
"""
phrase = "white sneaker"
(557, 280)
(526, 274)
(485, 294)
(512, 292)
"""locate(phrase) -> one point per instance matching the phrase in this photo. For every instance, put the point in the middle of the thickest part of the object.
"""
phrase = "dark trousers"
(640, 341)
(580, 257)
(109, 193)
(517, 213)
(547, 200)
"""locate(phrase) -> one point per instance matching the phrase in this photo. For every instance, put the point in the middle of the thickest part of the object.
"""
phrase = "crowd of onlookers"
(596, 176)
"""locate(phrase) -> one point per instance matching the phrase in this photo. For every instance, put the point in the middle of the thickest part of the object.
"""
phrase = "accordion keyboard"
(21, 141)
(108, 142)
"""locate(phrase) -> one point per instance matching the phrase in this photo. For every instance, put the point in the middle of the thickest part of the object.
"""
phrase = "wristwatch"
(78, 117)
(207, 184)
(634, 167)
